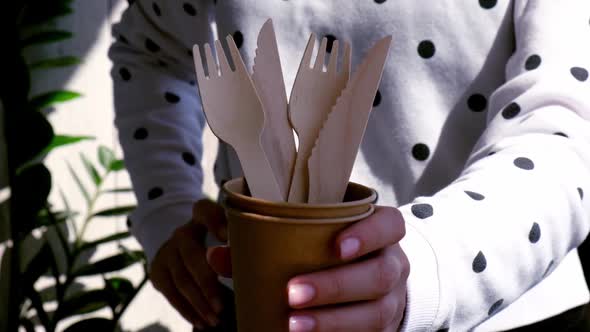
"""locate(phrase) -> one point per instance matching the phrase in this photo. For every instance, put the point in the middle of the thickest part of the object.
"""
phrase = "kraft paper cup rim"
(367, 200)
(258, 217)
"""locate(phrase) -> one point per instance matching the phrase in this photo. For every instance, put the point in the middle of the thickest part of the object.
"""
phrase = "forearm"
(158, 116)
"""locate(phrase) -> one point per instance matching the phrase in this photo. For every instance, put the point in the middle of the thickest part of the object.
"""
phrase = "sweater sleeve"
(157, 112)
(518, 207)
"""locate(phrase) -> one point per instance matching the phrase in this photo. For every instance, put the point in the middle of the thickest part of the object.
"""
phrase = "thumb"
(219, 258)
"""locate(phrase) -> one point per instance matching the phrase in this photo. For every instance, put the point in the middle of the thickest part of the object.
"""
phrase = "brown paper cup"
(357, 200)
(267, 251)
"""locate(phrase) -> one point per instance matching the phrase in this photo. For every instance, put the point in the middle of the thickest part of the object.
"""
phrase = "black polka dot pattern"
(477, 102)
(511, 111)
(189, 9)
(494, 308)
(172, 98)
(380, 1)
(524, 163)
(426, 49)
(487, 4)
(532, 62)
(535, 233)
(422, 211)
(479, 263)
(123, 39)
(125, 74)
(330, 43)
(492, 153)
(156, 9)
(140, 133)
(155, 193)
(561, 134)
(420, 152)
(238, 38)
(377, 99)
(129, 223)
(475, 196)
(579, 73)
(151, 46)
(581, 193)
(189, 158)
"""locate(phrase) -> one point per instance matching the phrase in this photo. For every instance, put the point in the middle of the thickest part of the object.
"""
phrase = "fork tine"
(223, 64)
(211, 63)
(332, 65)
(346, 60)
(198, 64)
(306, 61)
(235, 55)
(321, 58)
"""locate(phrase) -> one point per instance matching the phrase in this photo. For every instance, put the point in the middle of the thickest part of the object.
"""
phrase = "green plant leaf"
(118, 211)
(120, 284)
(106, 157)
(79, 183)
(64, 61)
(30, 190)
(118, 191)
(113, 237)
(118, 165)
(43, 219)
(121, 288)
(110, 264)
(34, 134)
(45, 100)
(91, 325)
(38, 265)
(62, 140)
(92, 172)
(84, 302)
(46, 37)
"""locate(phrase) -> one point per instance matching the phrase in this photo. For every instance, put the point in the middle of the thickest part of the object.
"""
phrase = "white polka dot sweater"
(480, 134)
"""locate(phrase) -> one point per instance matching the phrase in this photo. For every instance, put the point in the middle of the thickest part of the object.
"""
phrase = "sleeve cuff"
(422, 301)
(157, 227)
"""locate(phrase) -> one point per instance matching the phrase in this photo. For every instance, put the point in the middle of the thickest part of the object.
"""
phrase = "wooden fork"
(313, 95)
(236, 116)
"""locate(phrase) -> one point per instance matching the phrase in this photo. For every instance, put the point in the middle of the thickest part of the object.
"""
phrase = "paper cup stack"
(271, 242)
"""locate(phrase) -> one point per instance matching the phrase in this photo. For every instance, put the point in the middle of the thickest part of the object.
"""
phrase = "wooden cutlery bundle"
(328, 111)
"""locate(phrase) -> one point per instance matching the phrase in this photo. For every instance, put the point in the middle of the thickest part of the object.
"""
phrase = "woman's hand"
(181, 270)
(368, 292)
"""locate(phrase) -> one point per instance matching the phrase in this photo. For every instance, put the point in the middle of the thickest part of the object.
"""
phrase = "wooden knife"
(277, 139)
(335, 150)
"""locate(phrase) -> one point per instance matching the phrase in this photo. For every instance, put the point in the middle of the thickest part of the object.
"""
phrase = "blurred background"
(67, 261)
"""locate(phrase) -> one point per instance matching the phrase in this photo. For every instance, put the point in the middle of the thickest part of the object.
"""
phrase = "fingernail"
(217, 305)
(213, 321)
(301, 324)
(300, 294)
(349, 247)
